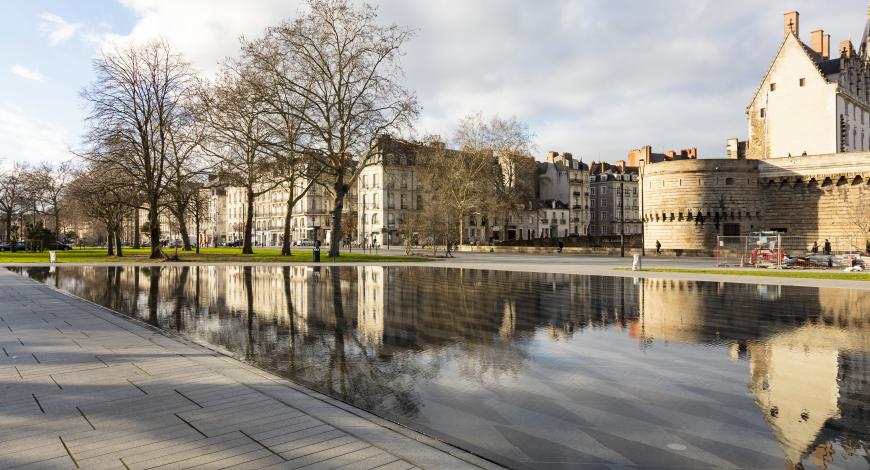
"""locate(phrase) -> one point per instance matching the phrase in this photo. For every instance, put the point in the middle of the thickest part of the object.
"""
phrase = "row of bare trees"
(33, 202)
(303, 104)
(490, 172)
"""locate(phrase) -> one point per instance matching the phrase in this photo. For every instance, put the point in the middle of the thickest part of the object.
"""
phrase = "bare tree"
(459, 181)
(11, 199)
(199, 204)
(47, 185)
(103, 193)
(346, 71)
(137, 99)
(184, 167)
(237, 137)
(274, 85)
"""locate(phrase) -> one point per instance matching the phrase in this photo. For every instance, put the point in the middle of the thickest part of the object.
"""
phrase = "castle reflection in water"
(371, 335)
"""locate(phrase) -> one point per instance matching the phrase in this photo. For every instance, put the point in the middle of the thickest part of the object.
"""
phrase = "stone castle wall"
(687, 203)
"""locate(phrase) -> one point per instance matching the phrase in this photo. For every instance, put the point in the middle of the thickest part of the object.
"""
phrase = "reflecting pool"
(540, 370)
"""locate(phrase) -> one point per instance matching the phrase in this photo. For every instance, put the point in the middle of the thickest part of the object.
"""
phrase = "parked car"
(20, 246)
(234, 243)
(303, 242)
(59, 246)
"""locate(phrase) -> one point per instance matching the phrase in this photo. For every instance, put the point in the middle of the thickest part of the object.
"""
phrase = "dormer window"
(802, 81)
(773, 87)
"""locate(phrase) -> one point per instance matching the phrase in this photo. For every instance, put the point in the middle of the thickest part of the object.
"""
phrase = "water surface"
(540, 370)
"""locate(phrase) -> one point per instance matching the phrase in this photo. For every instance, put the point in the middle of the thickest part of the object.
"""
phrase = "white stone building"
(809, 103)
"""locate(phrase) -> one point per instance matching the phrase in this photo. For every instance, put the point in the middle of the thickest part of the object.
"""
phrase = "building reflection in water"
(377, 337)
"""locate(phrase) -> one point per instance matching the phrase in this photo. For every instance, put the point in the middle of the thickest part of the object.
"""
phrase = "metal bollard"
(635, 263)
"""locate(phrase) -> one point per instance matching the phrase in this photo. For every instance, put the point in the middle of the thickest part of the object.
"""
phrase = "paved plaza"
(81, 387)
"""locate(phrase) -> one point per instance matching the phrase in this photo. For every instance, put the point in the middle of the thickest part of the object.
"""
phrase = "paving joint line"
(68, 452)
(263, 445)
(188, 423)
(36, 358)
(86, 419)
(140, 388)
(55, 381)
(37, 403)
(188, 398)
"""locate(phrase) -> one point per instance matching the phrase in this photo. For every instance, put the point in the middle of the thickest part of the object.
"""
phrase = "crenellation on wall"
(811, 198)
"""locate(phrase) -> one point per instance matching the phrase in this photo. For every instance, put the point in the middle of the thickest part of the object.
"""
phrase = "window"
(729, 181)
(802, 81)
(773, 87)
(762, 113)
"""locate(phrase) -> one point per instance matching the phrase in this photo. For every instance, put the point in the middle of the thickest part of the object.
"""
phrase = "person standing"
(561, 245)
(815, 248)
(658, 247)
(827, 247)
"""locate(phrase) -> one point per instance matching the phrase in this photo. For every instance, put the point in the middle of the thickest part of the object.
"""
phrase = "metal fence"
(778, 251)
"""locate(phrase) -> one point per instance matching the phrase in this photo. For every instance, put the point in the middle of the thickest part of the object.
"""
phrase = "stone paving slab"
(82, 387)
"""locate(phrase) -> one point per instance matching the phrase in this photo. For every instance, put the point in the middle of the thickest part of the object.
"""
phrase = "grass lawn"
(841, 276)
(207, 255)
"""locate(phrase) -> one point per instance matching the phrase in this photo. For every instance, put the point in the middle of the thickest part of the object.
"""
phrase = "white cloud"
(56, 28)
(591, 77)
(26, 73)
(26, 139)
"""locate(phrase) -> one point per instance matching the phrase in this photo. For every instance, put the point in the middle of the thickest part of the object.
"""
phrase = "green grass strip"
(207, 255)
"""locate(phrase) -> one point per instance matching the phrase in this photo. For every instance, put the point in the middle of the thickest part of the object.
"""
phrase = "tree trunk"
(118, 242)
(196, 221)
(182, 227)
(56, 223)
(137, 236)
(286, 244)
(110, 241)
(247, 248)
(461, 228)
(9, 231)
(154, 229)
(336, 216)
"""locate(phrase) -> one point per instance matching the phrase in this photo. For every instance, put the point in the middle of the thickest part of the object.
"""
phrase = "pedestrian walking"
(815, 248)
(561, 245)
(658, 247)
(827, 247)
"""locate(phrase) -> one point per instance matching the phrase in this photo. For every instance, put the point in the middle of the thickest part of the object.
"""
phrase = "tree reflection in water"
(405, 342)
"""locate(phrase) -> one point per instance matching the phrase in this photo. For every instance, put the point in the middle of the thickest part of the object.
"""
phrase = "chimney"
(551, 156)
(670, 154)
(817, 39)
(791, 21)
(692, 152)
(846, 49)
(567, 155)
(826, 46)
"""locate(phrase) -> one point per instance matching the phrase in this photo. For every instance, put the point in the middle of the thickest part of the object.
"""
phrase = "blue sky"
(594, 77)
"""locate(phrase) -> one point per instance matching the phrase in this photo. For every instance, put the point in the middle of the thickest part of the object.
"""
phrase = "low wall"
(609, 251)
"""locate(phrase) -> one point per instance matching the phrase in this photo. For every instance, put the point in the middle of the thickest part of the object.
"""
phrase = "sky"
(592, 77)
